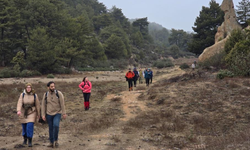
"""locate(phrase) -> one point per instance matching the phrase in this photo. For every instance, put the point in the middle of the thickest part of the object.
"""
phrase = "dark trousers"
(151, 80)
(53, 122)
(147, 81)
(130, 83)
(135, 80)
(28, 129)
(86, 97)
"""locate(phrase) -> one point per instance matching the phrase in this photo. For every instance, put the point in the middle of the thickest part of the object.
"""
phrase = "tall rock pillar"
(230, 23)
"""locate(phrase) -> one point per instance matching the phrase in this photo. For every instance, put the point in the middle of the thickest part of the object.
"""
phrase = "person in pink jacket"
(86, 87)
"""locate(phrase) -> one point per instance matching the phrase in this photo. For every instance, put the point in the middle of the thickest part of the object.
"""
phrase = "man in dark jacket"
(136, 76)
(147, 76)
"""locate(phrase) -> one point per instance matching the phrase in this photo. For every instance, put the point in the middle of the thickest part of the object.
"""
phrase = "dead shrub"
(246, 83)
(233, 85)
(160, 101)
(116, 99)
(116, 138)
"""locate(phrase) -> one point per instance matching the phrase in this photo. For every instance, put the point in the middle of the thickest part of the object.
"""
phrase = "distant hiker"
(141, 76)
(53, 109)
(28, 110)
(144, 73)
(129, 76)
(86, 87)
(151, 74)
(147, 77)
(193, 65)
(136, 76)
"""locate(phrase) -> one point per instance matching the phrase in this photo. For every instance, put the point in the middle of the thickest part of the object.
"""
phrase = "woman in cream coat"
(28, 110)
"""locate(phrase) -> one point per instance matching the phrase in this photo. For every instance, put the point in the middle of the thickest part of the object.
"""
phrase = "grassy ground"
(177, 111)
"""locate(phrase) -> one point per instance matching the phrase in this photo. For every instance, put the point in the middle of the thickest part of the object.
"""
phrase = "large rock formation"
(230, 23)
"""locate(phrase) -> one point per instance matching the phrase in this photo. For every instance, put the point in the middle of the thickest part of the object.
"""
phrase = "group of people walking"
(50, 110)
(133, 76)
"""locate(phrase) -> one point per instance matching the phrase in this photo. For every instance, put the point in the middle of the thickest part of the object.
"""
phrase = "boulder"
(230, 23)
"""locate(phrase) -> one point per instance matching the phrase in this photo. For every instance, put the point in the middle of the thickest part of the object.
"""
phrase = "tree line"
(46, 35)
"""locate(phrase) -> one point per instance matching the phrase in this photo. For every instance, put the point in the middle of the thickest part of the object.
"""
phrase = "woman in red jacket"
(86, 87)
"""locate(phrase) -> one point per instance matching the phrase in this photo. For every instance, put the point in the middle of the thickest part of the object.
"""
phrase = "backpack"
(45, 98)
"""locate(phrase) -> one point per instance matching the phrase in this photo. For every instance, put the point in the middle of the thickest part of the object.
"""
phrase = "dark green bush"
(224, 73)
(184, 66)
(163, 63)
(28, 73)
(8, 73)
(50, 76)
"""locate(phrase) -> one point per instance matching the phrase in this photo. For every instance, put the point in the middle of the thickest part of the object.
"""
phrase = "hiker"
(141, 76)
(144, 74)
(136, 76)
(129, 77)
(28, 110)
(151, 74)
(86, 86)
(193, 65)
(53, 109)
(147, 76)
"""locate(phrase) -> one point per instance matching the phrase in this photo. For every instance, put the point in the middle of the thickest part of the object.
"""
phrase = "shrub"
(224, 73)
(8, 73)
(216, 61)
(163, 63)
(236, 36)
(50, 76)
(184, 66)
(28, 73)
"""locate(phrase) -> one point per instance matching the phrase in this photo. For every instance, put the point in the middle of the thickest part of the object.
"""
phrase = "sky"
(177, 14)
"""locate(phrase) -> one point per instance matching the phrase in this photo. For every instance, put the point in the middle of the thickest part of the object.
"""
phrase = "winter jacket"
(54, 105)
(136, 75)
(141, 74)
(147, 75)
(85, 87)
(33, 112)
(130, 75)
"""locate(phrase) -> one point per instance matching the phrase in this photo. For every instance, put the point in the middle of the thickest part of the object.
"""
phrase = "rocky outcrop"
(230, 23)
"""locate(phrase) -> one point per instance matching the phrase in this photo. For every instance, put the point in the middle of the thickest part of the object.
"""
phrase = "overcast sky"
(177, 14)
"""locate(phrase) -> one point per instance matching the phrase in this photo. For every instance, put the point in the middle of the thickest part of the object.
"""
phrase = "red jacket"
(130, 74)
(85, 87)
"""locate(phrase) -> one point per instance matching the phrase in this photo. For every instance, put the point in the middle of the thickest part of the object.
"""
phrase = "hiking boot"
(24, 140)
(51, 145)
(56, 144)
(30, 142)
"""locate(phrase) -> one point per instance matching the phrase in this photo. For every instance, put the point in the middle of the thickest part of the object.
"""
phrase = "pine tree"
(8, 21)
(206, 27)
(243, 11)
(115, 48)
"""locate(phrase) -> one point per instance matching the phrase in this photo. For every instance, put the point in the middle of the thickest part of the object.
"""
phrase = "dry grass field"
(177, 112)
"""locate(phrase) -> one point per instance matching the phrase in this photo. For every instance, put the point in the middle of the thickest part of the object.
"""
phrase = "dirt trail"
(103, 140)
